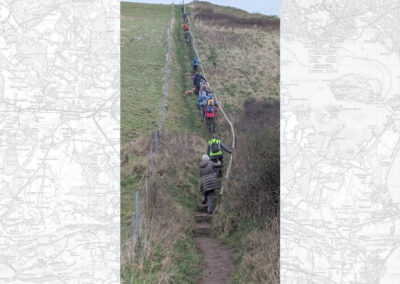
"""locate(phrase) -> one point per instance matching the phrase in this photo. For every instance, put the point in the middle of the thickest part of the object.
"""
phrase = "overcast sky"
(266, 7)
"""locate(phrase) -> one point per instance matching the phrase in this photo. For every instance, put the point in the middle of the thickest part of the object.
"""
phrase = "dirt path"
(218, 259)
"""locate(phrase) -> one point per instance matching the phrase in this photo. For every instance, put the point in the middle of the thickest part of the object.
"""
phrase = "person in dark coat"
(209, 181)
(196, 81)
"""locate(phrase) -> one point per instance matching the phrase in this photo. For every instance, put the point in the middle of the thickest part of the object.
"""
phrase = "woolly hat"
(205, 158)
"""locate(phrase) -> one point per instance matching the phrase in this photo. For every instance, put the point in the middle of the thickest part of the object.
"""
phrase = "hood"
(203, 164)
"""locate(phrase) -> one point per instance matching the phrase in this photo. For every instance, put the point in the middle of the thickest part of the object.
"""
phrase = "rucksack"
(210, 109)
(214, 147)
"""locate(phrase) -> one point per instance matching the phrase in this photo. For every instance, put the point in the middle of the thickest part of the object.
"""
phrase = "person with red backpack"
(210, 112)
(185, 27)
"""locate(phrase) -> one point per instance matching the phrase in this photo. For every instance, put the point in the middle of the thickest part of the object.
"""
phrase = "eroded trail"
(218, 259)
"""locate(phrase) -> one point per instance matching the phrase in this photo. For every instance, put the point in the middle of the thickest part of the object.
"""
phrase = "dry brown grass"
(135, 157)
(162, 224)
(222, 19)
(241, 61)
(263, 249)
(249, 217)
(164, 219)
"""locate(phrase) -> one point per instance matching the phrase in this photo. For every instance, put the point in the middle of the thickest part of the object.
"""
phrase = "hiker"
(195, 63)
(202, 102)
(185, 27)
(209, 181)
(210, 111)
(184, 16)
(205, 88)
(214, 151)
(183, 9)
(211, 102)
(187, 36)
(197, 80)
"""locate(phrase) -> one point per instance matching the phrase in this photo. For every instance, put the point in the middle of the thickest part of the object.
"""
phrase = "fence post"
(137, 216)
(151, 160)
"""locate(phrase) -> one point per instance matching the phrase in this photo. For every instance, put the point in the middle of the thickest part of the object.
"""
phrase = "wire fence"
(220, 103)
(141, 195)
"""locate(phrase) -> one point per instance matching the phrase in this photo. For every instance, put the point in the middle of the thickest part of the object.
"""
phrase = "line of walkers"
(211, 164)
(211, 171)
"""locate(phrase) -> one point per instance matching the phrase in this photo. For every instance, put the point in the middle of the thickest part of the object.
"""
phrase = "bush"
(249, 219)
(254, 189)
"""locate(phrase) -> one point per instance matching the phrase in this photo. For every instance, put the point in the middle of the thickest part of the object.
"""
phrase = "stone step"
(202, 208)
(202, 217)
(202, 229)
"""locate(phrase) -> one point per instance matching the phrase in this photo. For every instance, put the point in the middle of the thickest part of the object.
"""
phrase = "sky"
(266, 7)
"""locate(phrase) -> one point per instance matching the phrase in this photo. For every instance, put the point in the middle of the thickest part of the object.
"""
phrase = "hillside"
(142, 27)
(165, 252)
(240, 55)
(240, 52)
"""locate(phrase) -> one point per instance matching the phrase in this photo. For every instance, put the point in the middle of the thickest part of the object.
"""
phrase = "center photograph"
(200, 144)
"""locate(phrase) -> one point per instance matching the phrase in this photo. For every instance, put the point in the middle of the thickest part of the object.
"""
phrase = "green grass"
(129, 186)
(184, 270)
(241, 63)
(143, 49)
(182, 113)
(188, 262)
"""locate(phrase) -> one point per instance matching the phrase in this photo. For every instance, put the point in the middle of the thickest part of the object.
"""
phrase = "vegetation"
(227, 20)
(142, 68)
(243, 67)
(181, 114)
(243, 58)
(166, 252)
(240, 54)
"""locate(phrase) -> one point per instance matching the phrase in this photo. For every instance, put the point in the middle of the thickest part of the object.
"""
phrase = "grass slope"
(182, 113)
(143, 48)
(241, 61)
(166, 253)
(142, 26)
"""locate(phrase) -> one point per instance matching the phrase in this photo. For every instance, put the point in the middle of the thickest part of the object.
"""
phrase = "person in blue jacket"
(202, 102)
(195, 63)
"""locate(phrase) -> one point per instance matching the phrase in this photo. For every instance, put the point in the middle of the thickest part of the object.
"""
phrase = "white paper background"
(340, 134)
(59, 141)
